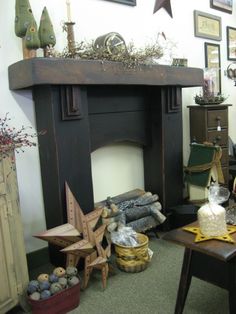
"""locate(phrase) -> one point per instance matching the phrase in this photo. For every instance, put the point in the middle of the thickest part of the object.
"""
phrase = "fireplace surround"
(85, 105)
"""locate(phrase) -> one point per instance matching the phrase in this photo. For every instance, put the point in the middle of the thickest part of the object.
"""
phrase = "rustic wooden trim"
(71, 102)
(173, 99)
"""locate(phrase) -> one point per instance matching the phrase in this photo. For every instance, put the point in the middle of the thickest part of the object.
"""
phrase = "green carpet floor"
(152, 291)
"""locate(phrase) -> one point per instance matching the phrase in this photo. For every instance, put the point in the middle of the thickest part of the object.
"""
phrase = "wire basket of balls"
(55, 293)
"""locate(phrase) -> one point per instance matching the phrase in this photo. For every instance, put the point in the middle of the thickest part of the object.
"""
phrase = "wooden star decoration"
(200, 237)
(163, 4)
(98, 260)
(101, 262)
(77, 237)
(98, 257)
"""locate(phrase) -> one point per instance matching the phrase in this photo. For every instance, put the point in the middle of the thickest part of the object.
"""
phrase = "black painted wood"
(163, 160)
(64, 153)
(43, 71)
(114, 104)
(185, 281)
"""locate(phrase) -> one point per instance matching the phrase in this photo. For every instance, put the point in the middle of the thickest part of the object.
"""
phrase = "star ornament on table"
(163, 4)
(200, 237)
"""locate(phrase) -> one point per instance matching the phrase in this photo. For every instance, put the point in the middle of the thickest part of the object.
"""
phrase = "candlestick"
(68, 11)
(70, 36)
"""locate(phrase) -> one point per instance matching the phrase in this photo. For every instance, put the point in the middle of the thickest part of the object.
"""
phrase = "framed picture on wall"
(128, 2)
(222, 5)
(207, 25)
(212, 70)
(231, 43)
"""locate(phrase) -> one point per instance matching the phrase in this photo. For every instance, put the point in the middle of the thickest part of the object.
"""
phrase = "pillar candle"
(68, 11)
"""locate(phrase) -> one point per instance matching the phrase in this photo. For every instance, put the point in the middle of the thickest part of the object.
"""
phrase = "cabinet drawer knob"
(217, 139)
(218, 119)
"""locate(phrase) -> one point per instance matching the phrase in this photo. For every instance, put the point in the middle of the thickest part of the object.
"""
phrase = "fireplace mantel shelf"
(54, 71)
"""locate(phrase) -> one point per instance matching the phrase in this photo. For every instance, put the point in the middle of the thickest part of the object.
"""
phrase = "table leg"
(184, 283)
(232, 285)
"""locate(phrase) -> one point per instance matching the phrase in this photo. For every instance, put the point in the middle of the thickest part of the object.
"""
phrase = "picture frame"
(207, 25)
(222, 5)
(231, 43)
(127, 2)
(212, 70)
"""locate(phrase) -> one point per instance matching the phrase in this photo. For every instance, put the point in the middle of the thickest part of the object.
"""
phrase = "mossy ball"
(43, 277)
(63, 282)
(33, 286)
(35, 296)
(59, 271)
(53, 278)
(73, 281)
(71, 271)
(45, 294)
(55, 288)
(44, 285)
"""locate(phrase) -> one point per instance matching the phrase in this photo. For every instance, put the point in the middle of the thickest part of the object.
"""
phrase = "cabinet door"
(8, 286)
(13, 264)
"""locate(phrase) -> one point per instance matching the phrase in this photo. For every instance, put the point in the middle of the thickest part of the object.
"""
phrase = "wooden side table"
(212, 261)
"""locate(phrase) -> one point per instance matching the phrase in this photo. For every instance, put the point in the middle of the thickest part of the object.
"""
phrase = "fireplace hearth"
(85, 105)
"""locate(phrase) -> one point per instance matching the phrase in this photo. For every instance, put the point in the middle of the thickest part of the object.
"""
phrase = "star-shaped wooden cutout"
(101, 262)
(200, 237)
(88, 247)
(92, 260)
(77, 236)
(163, 4)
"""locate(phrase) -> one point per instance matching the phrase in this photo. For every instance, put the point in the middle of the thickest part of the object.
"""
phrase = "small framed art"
(128, 2)
(231, 43)
(213, 64)
(207, 25)
(222, 5)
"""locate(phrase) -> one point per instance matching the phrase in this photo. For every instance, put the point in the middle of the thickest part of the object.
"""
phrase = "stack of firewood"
(137, 209)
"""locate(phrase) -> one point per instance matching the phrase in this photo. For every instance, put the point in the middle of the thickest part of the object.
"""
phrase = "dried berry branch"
(13, 139)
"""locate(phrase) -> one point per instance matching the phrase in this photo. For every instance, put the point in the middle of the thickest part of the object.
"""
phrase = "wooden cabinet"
(210, 123)
(13, 265)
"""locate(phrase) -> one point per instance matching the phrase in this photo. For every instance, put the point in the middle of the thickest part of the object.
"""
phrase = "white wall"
(94, 18)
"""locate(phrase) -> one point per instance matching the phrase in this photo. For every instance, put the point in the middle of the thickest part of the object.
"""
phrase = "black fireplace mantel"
(51, 71)
(85, 105)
